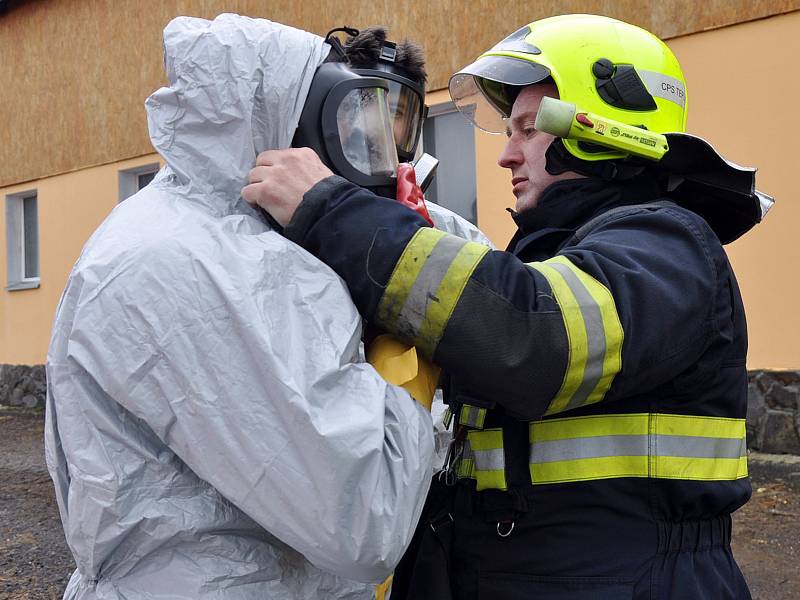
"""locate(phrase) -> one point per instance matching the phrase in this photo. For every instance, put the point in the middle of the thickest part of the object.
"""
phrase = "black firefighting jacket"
(596, 368)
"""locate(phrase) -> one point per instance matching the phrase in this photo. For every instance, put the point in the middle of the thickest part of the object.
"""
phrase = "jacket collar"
(566, 205)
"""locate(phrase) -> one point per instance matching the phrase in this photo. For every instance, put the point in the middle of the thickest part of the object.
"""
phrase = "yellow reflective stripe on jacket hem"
(695, 469)
(637, 424)
(700, 469)
(489, 458)
(594, 334)
(718, 427)
(637, 445)
(426, 285)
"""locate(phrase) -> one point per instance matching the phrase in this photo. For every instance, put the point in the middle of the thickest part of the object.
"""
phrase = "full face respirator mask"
(347, 121)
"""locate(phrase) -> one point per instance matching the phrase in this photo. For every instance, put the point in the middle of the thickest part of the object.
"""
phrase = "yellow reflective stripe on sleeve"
(637, 445)
(576, 337)
(594, 334)
(489, 458)
(612, 333)
(405, 273)
(441, 306)
(426, 285)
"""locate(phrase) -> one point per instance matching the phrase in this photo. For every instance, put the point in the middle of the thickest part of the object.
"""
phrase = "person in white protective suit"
(210, 428)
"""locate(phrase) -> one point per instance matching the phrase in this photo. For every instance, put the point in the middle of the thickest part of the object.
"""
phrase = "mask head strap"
(336, 44)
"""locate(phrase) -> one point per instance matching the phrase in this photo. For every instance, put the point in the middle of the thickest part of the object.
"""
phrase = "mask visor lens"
(365, 131)
(406, 107)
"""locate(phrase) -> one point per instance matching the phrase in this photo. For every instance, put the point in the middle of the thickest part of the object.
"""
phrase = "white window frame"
(15, 242)
(438, 110)
(129, 179)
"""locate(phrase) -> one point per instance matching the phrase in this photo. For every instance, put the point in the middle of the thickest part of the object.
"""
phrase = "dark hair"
(363, 50)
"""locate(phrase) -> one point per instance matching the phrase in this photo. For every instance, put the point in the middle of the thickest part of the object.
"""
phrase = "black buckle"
(440, 521)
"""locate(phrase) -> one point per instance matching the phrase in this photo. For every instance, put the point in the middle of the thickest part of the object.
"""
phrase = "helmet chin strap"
(559, 160)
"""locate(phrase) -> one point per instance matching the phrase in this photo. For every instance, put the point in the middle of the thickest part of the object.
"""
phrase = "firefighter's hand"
(281, 178)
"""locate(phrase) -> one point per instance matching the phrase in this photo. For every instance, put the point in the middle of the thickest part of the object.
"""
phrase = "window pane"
(145, 178)
(30, 219)
(451, 138)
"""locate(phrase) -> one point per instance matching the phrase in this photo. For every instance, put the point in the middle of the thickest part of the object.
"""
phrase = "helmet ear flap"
(621, 87)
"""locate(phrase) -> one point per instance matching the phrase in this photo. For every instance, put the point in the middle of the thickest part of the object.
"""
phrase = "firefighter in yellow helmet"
(596, 370)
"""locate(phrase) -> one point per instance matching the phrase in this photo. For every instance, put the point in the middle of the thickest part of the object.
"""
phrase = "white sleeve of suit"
(238, 352)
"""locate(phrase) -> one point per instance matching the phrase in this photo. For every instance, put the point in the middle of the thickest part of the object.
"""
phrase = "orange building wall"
(71, 206)
(743, 90)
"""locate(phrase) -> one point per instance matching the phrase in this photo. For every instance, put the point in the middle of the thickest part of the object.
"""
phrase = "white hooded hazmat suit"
(210, 430)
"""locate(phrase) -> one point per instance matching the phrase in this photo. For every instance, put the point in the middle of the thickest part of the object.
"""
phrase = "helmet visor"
(365, 131)
(484, 92)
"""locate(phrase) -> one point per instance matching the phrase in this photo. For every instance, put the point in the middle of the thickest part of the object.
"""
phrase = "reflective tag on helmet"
(664, 86)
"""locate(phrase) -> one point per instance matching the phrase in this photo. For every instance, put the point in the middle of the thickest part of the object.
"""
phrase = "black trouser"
(472, 557)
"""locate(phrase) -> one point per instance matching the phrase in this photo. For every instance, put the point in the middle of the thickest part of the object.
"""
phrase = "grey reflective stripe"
(699, 447)
(664, 86)
(595, 333)
(472, 416)
(636, 445)
(426, 284)
(466, 450)
(589, 447)
(490, 460)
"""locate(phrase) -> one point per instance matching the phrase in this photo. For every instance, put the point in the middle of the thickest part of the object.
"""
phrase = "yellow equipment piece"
(565, 120)
(383, 588)
(400, 365)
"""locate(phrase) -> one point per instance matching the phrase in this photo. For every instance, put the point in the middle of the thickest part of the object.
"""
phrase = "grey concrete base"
(775, 467)
(773, 411)
(22, 386)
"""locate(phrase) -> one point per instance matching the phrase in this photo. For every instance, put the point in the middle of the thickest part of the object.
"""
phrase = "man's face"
(405, 107)
(525, 148)
(400, 122)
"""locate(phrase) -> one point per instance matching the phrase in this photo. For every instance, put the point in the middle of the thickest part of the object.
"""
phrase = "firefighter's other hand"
(281, 178)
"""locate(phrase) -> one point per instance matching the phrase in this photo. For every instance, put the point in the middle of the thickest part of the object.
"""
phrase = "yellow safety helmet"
(601, 65)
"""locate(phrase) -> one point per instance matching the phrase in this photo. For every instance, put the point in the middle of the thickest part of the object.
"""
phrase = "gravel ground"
(766, 530)
(36, 564)
(34, 560)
